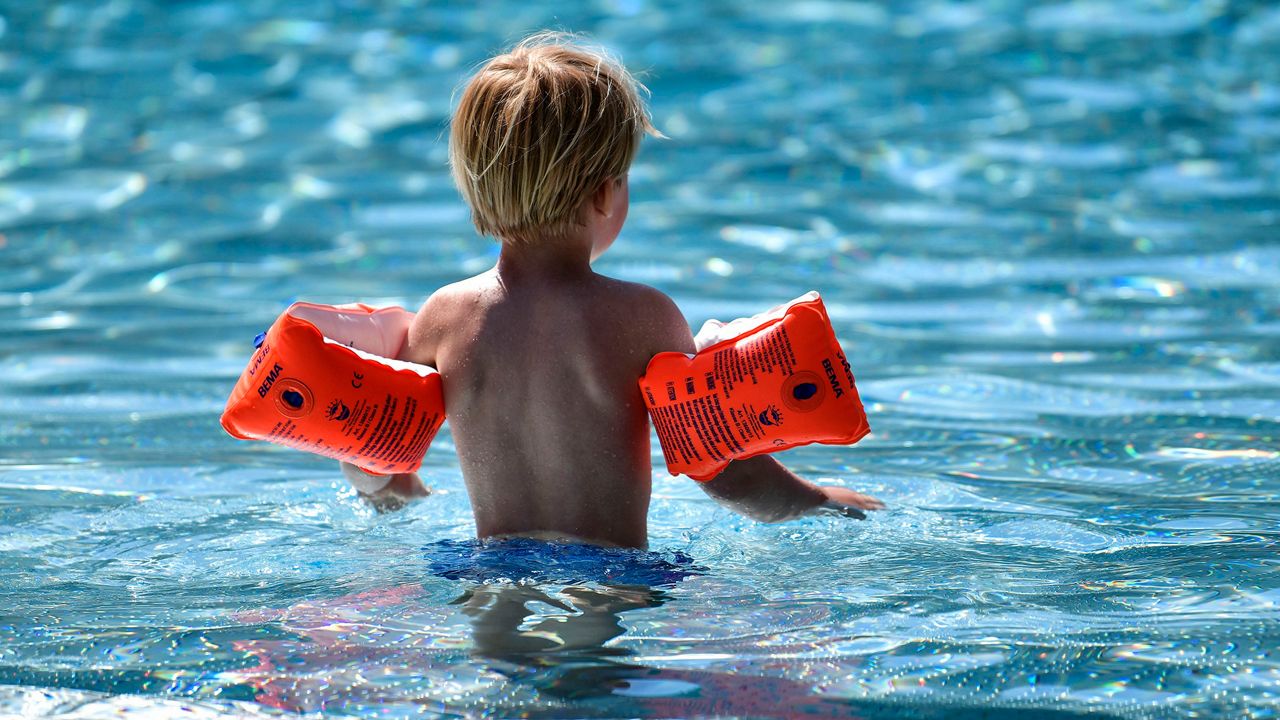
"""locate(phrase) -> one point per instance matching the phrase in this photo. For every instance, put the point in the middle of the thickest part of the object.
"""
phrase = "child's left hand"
(849, 503)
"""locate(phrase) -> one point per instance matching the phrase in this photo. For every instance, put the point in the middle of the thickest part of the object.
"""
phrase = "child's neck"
(546, 258)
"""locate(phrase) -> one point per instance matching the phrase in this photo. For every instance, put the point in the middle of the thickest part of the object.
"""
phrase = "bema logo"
(271, 378)
(831, 377)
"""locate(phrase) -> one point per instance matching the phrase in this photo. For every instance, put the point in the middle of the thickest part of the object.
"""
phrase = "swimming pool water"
(1046, 233)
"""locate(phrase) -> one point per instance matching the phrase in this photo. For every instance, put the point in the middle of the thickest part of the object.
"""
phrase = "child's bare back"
(540, 378)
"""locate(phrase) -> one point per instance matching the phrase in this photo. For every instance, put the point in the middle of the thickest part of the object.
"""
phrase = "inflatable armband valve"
(323, 380)
(757, 385)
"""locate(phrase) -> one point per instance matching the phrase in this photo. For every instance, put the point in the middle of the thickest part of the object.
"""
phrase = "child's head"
(538, 130)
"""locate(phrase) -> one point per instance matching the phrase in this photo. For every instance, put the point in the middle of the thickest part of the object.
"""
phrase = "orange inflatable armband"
(323, 380)
(757, 385)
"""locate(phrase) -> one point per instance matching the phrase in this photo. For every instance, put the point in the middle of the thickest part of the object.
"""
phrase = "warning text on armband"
(392, 433)
(743, 362)
(711, 426)
(696, 429)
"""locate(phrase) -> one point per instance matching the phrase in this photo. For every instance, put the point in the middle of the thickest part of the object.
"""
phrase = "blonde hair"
(538, 129)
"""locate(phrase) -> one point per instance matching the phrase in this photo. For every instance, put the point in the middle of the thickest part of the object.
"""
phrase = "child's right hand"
(403, 489)
(385, 492)
(847, 502)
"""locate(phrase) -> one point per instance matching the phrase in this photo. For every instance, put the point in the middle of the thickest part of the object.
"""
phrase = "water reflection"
(557, 642)
(537, 651)
(529, 624)
(517, 641)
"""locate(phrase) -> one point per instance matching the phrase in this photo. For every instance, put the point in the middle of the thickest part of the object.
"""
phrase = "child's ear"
(602, 197)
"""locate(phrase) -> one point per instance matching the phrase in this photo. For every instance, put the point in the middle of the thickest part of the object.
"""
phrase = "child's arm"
(763, 489)
(760, 487)
(392, 492)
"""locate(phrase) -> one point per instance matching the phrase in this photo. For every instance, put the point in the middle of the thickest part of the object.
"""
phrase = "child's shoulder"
(651, 314)
(449, 298)
(638, 296)
(442, 313)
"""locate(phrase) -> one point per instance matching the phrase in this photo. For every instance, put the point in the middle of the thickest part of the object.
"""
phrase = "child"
(540, 356)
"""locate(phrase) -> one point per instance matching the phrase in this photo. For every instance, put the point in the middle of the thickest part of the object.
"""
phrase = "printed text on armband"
(685, 429)
(666, 438)
(696, 417)
(721, 423)
(373, 447)
(788, 350)
(707, 427)
(736, 417)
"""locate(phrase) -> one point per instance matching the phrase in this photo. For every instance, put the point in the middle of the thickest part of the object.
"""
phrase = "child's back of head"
(537, 129)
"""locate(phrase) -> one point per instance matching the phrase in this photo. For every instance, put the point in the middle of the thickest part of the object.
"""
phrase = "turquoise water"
(1046, 233)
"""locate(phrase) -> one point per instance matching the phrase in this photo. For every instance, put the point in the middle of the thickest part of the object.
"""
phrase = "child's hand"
(849, 503)
(403, 489)
(385, 492)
